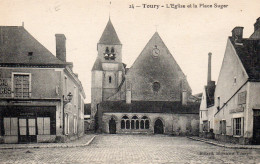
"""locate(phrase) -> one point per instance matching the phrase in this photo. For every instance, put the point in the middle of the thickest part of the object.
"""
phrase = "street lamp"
(68, 98)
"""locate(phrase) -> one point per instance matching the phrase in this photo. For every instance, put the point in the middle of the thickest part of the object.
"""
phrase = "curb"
(52, 146)
(222, 145)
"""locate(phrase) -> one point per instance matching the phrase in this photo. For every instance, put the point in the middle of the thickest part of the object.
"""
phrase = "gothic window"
(112, 50)
(107, 50)
(142, 124)
(134, 122)
(125, 123)
(145, 123)
(106, 54)
(137, 124)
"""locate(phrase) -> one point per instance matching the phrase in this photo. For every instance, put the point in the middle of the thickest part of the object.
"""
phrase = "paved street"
(134, 149)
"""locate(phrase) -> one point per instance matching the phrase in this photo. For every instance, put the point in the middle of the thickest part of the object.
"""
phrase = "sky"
(189, 33)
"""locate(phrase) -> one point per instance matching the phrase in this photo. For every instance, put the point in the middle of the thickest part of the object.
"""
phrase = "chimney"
(237, 34)
(184, 97)
(257, 24)
(61, 47)
(128, 92)
(209, 67)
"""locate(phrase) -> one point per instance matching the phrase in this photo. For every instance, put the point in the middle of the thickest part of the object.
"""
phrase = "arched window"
(112, 50)
(125, 123)
(134, 122)
(137, 124)
(110, 79)
(145, 123)
(107, 50)
(142, 124)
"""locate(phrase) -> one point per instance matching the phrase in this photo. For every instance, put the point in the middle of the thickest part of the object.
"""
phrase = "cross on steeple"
(109, 9)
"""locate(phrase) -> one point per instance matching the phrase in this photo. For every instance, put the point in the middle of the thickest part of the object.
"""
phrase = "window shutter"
(232, 126)
(242, 126)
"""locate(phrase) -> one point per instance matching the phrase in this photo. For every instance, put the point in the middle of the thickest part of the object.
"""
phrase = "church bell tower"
(108, 69)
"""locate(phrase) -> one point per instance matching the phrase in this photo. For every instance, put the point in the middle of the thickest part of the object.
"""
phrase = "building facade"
(41, 99)
(234, 116)
(152, 96)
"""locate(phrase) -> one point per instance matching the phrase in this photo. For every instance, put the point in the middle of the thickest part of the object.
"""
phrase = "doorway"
(158, 127)
(112, 126)
(27, 130)
(256, 127)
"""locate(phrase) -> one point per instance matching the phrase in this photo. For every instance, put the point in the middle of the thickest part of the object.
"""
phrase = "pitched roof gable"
(248, 51)
(17, 43)
(97, 65)
(149, 68)
(109, 35)
(256, 34)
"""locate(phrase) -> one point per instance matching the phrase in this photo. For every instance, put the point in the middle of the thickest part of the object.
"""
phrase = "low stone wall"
(209, 135)
(46, 138)
(232, 139)
(10, 139)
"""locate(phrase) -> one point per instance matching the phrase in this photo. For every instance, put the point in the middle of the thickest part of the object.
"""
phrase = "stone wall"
(176, 124)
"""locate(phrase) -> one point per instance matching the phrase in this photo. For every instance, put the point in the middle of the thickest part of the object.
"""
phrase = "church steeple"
(109, 46)
(109, 36)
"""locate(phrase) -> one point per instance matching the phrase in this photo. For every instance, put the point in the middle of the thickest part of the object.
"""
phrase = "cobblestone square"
(134, 149)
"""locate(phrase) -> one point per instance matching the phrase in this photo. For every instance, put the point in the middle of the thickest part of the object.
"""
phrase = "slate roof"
(16, 44)
(109, 35)
(248, 50)
(149, 107)
(97, 65)
(256, 34)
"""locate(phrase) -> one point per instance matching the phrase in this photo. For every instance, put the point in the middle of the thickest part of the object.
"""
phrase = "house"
(234, 116)
(41, 99)
(152, 96)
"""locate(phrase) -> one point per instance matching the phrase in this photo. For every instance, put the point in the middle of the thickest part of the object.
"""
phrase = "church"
(152, 96)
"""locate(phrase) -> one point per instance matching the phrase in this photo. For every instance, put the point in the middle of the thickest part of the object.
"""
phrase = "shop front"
(27, 124)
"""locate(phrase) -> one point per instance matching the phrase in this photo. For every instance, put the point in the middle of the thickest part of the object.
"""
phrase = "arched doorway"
(158, 127)
(112, 126)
